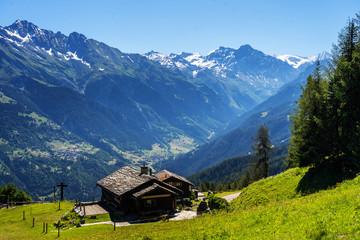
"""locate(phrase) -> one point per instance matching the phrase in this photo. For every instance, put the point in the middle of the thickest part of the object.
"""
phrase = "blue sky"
(303, 27)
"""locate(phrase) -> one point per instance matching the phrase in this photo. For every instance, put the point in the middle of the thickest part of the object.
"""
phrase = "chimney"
(144, 169)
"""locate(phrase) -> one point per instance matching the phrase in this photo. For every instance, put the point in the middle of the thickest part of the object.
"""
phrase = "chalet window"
(176, 184)
(150, 203)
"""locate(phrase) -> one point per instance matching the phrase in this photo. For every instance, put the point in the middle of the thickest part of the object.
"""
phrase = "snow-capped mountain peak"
(322, 56)
(171, 61)
(297, 61)
(24, 28)
(294, 60)
(198, 60)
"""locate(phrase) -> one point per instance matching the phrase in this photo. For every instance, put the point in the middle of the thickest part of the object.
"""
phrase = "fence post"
(33, 221)
(114, 225)
(24, 215)
(59, 205)
(43, 227)
(46, 227)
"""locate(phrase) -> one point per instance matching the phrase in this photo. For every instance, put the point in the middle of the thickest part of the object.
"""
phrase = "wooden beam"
(156, 196)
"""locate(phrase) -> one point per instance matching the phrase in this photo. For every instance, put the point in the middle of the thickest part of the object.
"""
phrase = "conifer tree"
(308, 123)
(345, 99)
(262, 150)
(325, 127)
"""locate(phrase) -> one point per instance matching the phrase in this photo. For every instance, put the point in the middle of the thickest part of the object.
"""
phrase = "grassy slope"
(14, 227)
(329, 214)
(277, 188)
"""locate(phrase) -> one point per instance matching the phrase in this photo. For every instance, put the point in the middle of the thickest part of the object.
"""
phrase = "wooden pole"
(46, 227)
(59, 205)
(24, 215)
(33, 222)
(114, 225)
(43, 227)
(62, 185)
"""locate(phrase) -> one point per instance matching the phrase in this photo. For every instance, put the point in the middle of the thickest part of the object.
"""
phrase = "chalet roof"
(124, 180)
(151, 188)
(165, 174)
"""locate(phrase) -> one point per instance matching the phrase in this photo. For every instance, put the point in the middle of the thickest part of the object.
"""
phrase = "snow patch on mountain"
(294, 60)
(15, 34)
(49, 51)
(297, 61)
(167, 60)
(73, 56)
(198, 60)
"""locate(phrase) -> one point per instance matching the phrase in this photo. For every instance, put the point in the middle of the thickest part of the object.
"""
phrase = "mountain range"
(236, 137)
(75, 109)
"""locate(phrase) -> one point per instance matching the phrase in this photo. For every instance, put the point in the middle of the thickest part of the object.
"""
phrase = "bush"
(192, 195)
(217, 203)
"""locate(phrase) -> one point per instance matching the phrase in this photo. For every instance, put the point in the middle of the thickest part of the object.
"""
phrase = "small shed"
(177, 181)
(137, 192)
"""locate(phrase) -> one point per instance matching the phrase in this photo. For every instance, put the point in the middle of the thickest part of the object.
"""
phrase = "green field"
(268, 209)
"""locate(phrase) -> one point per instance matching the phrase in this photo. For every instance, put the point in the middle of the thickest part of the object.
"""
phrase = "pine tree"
(308, 123)
(262, 150)
(345, 99)
(325, 126)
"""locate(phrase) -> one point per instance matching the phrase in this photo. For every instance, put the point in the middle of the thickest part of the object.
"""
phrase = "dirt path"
(117, 224)
(231, 197)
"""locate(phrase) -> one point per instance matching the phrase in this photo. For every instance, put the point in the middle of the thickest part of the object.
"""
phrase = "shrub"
(217, 203)
(192, 195)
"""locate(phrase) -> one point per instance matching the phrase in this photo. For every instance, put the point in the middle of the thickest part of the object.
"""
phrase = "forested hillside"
(37, 153)
(230, 171)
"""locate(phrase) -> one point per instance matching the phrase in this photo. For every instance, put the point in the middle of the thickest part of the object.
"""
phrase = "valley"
(83, 105)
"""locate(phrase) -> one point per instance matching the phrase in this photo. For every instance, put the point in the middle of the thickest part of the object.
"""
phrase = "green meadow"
(268, 209)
